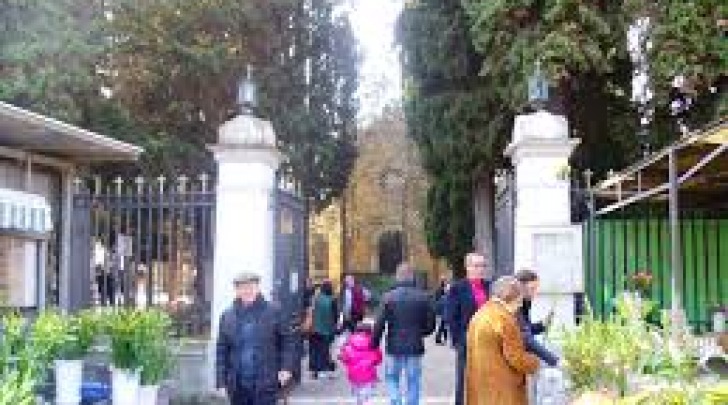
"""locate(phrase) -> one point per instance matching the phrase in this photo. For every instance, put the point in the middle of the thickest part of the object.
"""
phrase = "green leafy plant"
(125, 330)
(16, 388)
(20, 365)
(679, 393)
(156, 352)
(140, 340)
(603, 354)
(85, 328)
(11, 341)
(67, 337)
(625, 353)
(48, 334)
(674, 355)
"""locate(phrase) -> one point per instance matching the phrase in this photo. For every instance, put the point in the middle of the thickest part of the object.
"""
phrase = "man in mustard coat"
(498, 362)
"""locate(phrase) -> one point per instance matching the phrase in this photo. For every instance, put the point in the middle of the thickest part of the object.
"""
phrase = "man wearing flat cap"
(255, 347)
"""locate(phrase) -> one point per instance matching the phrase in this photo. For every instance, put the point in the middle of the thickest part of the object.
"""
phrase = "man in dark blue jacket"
(464, 299)
(529, 329)
(255, 352)
(407, 316)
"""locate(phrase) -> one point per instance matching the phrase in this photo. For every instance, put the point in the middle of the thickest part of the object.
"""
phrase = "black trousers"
(351, 322)
(319, 355)
(460, 374)
(441, 334)
(251, 394)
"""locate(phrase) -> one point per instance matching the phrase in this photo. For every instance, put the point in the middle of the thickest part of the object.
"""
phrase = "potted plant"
(64, 341)
(126, 335)
(604, 356)
(156, 355)
(642, 283)
(82, 330)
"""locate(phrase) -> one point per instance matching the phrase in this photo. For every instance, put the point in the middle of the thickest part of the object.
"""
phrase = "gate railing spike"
(139, 180)
(161, 179)
(97, 185)
(77, 183)
(588, 174)
(182, 181)
(119, 183)
(204, 179)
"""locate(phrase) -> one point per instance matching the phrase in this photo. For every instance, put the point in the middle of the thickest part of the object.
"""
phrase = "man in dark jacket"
(255, 348)
(408, 316)
(463, 301)
(529, 329)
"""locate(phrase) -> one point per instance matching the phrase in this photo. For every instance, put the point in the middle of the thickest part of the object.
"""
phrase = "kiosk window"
(18, 272)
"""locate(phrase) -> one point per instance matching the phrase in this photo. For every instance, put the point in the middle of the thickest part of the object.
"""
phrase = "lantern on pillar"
(247, 94)
(538, 88)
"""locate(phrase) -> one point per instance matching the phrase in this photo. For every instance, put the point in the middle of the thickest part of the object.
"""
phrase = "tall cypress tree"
(467, 64)
(178, 64)
(172, 67)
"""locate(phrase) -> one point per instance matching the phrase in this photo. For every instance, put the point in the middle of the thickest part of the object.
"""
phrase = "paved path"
(438, 382)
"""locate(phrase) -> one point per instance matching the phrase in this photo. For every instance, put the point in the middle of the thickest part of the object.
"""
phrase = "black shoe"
(314, 375)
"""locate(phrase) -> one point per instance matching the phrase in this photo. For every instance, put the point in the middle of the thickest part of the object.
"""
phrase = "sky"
(373, 23)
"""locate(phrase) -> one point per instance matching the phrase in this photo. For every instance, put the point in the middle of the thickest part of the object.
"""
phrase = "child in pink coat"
(361, 363)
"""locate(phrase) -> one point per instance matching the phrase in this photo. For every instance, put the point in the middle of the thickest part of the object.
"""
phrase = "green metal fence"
(618, 246)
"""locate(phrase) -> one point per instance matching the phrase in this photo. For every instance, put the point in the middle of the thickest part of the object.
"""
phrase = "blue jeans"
(411, 367)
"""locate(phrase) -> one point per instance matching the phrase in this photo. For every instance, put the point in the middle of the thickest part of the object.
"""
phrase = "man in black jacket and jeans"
(255, 348)
(408, 316)
(464, 299)
(529, 329)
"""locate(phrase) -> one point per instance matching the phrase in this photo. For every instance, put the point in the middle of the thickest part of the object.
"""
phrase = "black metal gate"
(145, 242)
(291, 271)
(505, 205)
(149, 242)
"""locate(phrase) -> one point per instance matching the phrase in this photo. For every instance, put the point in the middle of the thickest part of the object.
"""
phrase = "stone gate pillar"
(247, 161)
(545, 240)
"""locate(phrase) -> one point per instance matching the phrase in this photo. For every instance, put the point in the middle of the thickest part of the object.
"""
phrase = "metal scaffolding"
(691, 173)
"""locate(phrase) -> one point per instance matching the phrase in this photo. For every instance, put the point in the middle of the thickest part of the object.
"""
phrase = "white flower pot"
(69, 375)
(124, 387)
(719, 321)
(148, 394)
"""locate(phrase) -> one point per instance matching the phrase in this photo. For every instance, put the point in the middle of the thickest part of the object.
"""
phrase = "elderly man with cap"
(255, 347)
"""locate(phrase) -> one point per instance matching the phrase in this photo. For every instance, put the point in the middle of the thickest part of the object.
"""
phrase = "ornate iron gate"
(291, 269)
(145, 242)
(290, 253)
(505, 205)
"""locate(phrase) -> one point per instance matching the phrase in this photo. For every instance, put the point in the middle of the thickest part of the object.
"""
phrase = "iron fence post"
(676, 282)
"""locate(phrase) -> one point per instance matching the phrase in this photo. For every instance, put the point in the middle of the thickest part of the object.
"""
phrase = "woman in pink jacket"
(361, 361)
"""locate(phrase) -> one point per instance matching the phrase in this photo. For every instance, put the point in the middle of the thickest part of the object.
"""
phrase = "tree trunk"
(484, 216)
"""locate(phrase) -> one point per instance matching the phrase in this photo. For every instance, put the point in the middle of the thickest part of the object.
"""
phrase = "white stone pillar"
(545, 240)
(247, 161)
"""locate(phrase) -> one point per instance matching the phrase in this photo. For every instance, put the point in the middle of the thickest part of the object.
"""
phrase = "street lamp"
(247, 99)
(538, 88)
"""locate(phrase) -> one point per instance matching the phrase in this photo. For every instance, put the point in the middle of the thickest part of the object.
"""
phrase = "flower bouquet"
(642, 282)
